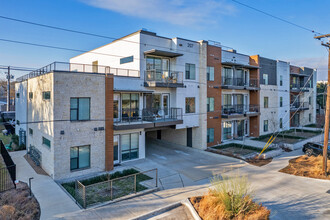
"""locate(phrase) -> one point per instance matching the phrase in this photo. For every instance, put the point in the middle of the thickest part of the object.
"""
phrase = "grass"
(307, 166)
(234, 145)
(98, 188)
(229, 198)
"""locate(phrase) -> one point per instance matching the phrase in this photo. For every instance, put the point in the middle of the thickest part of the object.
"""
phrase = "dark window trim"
(43, 95)
(130, 147)
(190, 64)
(30, 95)
(89, 113)
(31, 131)
(43, 142)
(84, 168)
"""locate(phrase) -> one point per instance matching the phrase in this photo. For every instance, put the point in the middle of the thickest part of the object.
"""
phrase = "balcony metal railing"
(235, 81)
(299, 105)
(296, 86)
(163, 76)
(147, 115)
(79, 67)
(239, 109)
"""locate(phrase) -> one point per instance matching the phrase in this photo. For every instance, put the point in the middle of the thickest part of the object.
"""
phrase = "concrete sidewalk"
(52, 199)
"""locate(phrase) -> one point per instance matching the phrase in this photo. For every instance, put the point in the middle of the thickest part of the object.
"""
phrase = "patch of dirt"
(36, 168)
(16, 204)
(307, 166)
(208, 208)
(258, 161)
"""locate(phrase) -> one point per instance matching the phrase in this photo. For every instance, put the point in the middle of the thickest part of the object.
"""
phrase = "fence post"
(135, 183)
(84, 196)
(111, 189)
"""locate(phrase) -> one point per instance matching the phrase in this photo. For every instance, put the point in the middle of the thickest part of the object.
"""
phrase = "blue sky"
(233, 25)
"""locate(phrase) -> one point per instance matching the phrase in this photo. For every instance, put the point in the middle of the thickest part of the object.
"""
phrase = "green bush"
(15, 139)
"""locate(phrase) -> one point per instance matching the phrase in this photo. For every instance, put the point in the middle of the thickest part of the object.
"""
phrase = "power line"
(276, 17)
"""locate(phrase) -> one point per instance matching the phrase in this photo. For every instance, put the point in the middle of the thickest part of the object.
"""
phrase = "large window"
(46, 95)
(210, 135)
(226, 130)
(80, 157)
(265, 125)
(130, 106)
(190, 71)
(281, 101)
(210, 104)
(46, 142)
(190, 105)
(265, 102)
(210, 73)
(129, 146)
(79, 109)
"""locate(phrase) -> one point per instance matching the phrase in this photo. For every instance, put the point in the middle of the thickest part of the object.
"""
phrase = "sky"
(224, 21)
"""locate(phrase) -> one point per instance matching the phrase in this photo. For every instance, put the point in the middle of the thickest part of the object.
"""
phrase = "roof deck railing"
(80, 68)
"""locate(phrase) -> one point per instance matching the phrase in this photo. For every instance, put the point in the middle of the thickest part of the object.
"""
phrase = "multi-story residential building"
(100, 109)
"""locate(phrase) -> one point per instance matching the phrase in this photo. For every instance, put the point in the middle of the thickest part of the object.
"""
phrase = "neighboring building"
(21, 98)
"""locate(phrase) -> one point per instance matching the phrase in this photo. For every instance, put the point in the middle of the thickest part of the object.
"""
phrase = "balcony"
(240, 83)
(147, 118)
(238, 110)
(160, 78)
(297, 87)
(299, 106)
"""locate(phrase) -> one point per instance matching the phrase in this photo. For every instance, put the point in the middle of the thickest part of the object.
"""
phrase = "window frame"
(265, 130)
(30, 95)
(264, 78)
(44, 95)
(44, 140)
(31, 131)
(190, 112)
(17, 95)
(281, 101)
(281, 123)
(266, 104)
(309, 100)
(310, 117)
(281, 80)
(208, 104)
(208, 135)
(89, 159)
(129, 151)
(77, 109)
(186, 71)
(208, 73)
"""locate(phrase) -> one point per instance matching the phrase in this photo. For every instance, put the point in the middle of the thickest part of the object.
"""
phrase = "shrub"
(15, 139)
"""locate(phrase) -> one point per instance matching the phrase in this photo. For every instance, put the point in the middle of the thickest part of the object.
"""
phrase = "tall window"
(210, 135)
(190, 71)
(226, 130)
(281, 101)
(210, 73)
(129, 146)
(95, 65)
(265, 102)
(281, 123)
(190, 105)
(130, 106)
(310, 117)
(79, 109)
(265, 77)
(80, 157)
(281, 80)
(30, 95)
(265, 125)
(310, 100)
(210, 104)
(46, 95)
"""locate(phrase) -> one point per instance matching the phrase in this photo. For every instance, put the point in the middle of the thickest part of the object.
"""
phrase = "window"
(281, 123)
(126, 60)
(281, 101)
(190, 71)
(17, 95)
(31, 131)
(265, 102)
(95, 66)
(265, 77)
(30, 95)
(226, 130)
(46, 142)
(190, 105)
(281, 80)
(210, 135)
(80, 157)
(210, 73)
(79, 109)
(265, 125)
(210, 104)
(129, 146)
(46, 95)
(310, 100)
(310, 117)
(130, 106)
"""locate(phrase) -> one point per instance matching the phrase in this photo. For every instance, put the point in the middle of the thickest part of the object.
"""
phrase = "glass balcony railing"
(236, 81)
(239, 109)
(163, 76)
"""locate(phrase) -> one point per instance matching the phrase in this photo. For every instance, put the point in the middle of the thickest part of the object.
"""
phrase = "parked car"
(314, 149)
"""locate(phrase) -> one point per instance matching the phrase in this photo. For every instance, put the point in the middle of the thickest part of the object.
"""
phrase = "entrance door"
(116, 149)
(189, 137)
(166, 104)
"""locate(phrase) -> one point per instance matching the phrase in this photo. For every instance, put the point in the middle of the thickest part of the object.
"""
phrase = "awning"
(298, 74)
(162, 53)
(241, 65)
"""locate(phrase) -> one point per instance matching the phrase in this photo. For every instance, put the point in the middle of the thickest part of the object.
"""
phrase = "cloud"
(320, 63)
(178, 12)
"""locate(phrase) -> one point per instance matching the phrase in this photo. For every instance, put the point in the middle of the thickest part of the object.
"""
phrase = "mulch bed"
(36, 168)
(17, 204)
(307, 166)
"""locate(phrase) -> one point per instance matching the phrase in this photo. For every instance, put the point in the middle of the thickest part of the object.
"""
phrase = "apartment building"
(100, 110)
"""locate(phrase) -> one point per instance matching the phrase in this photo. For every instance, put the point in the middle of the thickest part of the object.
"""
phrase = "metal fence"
(7, 173)
(111, 189)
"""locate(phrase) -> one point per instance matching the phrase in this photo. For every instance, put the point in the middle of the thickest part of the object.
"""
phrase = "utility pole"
(327, 111)
(8, 89)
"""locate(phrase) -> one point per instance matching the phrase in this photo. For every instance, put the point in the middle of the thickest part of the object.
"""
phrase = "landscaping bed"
(229, 198)
(99, 189)
(17, 204)
(307, 166)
